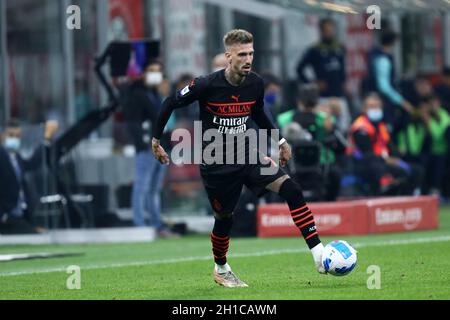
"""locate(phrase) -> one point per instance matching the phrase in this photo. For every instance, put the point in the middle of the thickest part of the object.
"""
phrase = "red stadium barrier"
(403, 214)
(354, 217)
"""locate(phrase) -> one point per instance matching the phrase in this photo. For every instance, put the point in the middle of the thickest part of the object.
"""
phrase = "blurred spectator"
(318, 123)
(219, 62)
(308, 113)
(375, 155)
(417, 90)
(443, 88)
(338, 108)
(272, 94)
(437, 121)
(381, 79)
(142, 105)
(16, 211)
(413, 139)
(327, 60)
(321, 125)
(424, 138)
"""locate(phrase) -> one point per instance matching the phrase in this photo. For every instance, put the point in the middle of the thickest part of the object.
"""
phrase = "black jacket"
(328, 63)
(10, 186)
(140, 105)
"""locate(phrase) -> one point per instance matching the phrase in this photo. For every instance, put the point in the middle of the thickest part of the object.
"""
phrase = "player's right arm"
(180, 99)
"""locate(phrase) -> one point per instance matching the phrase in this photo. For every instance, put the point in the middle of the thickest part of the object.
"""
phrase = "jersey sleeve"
(191, 92)
(179, 99)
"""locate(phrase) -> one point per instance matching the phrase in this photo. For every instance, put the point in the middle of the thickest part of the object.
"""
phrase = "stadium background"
(35, 45)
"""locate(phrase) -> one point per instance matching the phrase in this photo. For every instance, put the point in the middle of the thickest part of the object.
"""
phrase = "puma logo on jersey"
(235, 98)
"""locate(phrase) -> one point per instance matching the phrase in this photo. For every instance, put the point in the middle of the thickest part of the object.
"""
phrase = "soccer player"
(229, 100)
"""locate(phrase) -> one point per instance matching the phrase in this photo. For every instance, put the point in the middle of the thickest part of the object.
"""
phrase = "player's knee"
(223, 215)
(290, 190)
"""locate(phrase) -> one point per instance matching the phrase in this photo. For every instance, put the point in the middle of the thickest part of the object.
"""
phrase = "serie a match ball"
(339, 258)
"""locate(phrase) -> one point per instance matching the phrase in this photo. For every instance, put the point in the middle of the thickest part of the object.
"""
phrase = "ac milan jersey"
(228, 109)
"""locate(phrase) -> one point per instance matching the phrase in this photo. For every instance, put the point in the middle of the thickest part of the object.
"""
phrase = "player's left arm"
(264, 122)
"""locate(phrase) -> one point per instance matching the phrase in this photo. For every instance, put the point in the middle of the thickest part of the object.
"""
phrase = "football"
(339, 258)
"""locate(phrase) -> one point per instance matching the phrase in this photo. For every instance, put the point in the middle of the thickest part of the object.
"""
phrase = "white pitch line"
(237, 255)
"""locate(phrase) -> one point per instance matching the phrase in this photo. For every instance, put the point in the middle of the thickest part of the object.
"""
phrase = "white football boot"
(317, 252)
(225, 277)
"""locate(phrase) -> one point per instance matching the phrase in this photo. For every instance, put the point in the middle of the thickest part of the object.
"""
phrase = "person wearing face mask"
(375, 155)
(142, 104)
(272, 95)
(15, 202)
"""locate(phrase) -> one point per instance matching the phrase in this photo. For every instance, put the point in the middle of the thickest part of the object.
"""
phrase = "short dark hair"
(269, 78)
(388, 38)
(325, 21)
(373, 95)
(308, 94)
(154, 61)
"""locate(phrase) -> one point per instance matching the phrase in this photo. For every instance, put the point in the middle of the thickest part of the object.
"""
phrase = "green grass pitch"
(413, 265)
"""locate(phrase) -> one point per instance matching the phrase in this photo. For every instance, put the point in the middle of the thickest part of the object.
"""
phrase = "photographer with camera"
(321, 127)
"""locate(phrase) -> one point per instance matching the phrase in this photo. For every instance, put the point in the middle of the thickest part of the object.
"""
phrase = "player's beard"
(245, 72)
(239, 71)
